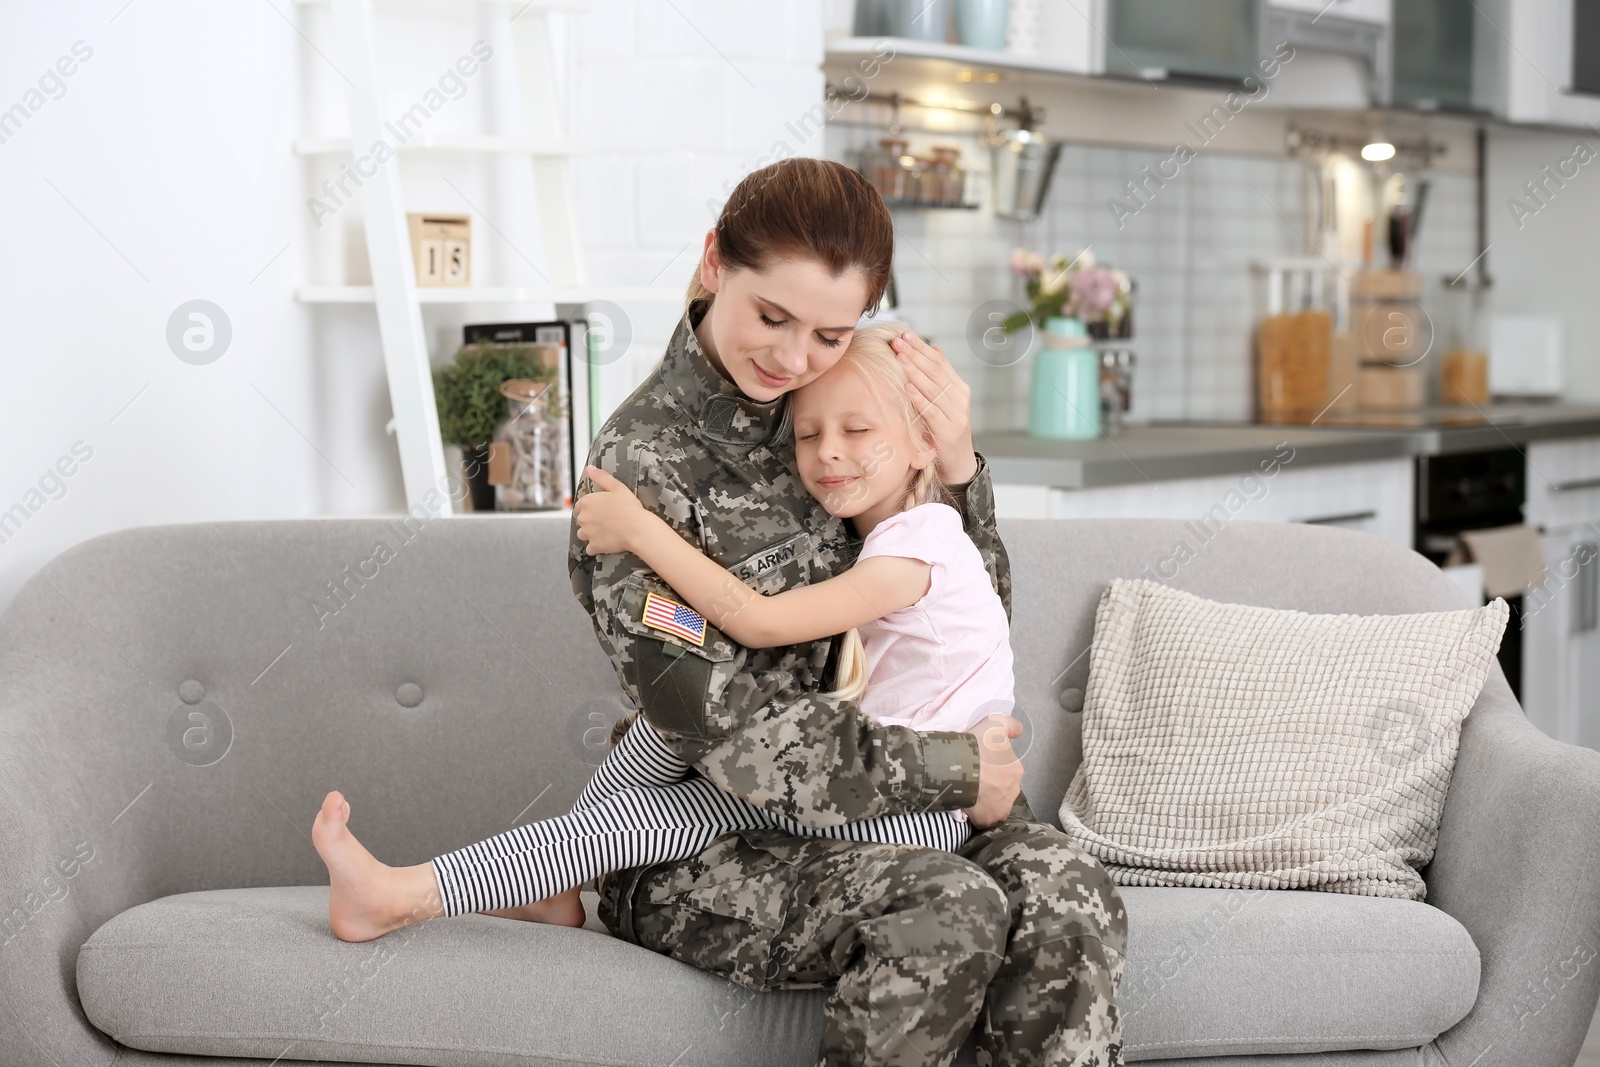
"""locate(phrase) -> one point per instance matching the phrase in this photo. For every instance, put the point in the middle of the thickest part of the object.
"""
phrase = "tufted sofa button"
(191, 692)
(1071, 699)
(409, 695)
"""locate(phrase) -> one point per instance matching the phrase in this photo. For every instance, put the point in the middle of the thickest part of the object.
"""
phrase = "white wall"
(161, 175)
(681, 100)
(1547, 263)
(165, 173)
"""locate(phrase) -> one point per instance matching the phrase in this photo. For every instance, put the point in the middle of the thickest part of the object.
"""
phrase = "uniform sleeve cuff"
(949, 770)
(961, 487)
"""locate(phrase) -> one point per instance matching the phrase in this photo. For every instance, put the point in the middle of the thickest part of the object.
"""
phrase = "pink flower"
(1026, 264)
(1094, 291)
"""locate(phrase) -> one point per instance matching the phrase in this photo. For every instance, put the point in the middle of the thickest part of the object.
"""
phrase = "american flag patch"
(674, 618)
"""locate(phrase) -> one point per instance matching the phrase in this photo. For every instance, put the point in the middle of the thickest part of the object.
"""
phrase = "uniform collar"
(723, 414)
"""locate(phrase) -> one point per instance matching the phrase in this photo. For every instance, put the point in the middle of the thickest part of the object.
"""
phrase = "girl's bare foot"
(367, 899)
(563, 909)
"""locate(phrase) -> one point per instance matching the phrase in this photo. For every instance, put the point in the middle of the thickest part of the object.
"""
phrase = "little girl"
(926, 647)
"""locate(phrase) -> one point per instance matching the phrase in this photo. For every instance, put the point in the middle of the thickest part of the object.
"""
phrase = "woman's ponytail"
(698, 292)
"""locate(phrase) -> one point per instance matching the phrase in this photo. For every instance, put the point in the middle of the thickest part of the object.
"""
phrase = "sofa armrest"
(1518, 865)
(65, 872)
(84, 812)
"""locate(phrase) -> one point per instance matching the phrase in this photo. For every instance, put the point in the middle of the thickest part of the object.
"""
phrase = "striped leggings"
(644, 805)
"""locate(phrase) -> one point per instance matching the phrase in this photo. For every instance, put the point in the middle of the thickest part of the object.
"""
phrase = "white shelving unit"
(394, 293)
(489, 294)
(455, 143)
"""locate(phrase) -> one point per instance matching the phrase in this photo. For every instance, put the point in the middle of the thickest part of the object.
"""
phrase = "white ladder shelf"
(394, 292)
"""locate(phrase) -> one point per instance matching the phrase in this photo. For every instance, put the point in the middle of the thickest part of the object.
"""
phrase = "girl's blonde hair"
(869, 353)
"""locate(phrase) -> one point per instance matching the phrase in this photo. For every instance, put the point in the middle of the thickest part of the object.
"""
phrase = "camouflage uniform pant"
(1019, 931)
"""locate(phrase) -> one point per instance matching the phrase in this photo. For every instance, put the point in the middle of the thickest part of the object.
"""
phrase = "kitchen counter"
(1438, 430)
(1162, 451)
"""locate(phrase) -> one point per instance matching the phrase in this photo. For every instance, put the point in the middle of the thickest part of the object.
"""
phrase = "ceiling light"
(1377, 152)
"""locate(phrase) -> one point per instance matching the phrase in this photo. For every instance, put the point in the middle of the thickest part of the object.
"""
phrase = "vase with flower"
(1067, 298)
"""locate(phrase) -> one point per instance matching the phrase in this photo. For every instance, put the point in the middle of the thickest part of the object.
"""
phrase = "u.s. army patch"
(763, 562)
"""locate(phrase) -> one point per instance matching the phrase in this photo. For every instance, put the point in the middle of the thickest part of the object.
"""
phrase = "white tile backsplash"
(1189, 243)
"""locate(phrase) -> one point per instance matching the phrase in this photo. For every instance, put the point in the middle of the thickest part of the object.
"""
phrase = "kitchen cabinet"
(1561, 630)
(1510, 58)
(1354, 33)
(1374, 497)
(1358, 10)
(1537, 50)
(1213, 39)
(1444, 56)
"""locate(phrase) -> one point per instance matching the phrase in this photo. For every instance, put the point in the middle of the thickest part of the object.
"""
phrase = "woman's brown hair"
(804, 208)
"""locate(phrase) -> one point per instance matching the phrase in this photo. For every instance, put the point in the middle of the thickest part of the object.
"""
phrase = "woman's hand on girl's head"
(609, 518)
(945, 401)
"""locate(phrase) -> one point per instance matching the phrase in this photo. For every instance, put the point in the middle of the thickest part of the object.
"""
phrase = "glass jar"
(884, 168)
(951, 179)
(1463, 374)
(936, 180)
(916, 178)
(535, 433)
(1116, 387)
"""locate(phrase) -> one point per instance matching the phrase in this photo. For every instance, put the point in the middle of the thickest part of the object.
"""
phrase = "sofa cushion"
(256, 972)
(1240, 972)
(1231, 745)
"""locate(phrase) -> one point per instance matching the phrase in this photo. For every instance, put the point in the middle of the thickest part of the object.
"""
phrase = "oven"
(1473, 491)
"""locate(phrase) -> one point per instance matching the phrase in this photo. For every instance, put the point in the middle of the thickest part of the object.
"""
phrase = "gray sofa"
(175, 701)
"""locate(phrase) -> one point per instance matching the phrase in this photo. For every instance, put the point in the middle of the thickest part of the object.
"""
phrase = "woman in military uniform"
(1020, 931)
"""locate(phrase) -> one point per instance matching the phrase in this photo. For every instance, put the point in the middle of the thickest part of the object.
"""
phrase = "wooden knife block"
(1391, 335)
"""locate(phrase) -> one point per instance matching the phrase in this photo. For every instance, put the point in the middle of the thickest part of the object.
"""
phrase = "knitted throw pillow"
(1229, 745)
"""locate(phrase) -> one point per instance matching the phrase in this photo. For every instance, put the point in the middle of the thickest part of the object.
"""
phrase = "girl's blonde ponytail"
(851, 675)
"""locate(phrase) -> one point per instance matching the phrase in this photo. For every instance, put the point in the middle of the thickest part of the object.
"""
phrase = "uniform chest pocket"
(781, 565)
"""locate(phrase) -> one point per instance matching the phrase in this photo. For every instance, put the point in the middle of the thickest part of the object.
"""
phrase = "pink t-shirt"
(944, 663)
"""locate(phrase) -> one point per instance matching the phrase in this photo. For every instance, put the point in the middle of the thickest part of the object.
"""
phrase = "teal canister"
(982, 23)
(919, 20)
(1064, 401)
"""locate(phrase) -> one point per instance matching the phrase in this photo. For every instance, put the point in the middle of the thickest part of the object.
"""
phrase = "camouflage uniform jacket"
(719, 468)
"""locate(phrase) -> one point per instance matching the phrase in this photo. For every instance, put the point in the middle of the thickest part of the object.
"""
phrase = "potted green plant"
(471, 405)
